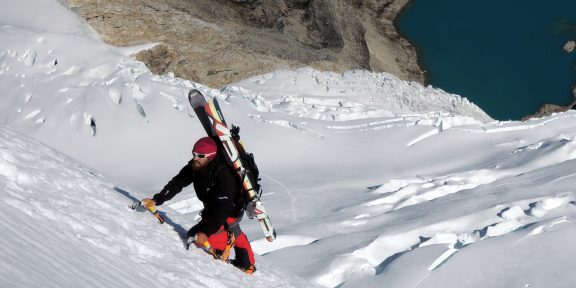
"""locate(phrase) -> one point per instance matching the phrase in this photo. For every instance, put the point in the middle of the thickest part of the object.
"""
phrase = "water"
(505, 56)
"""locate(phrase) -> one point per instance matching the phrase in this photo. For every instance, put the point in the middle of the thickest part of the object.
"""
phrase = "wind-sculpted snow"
(94, 96)
(523, 193)
(353, 95)
(89, 94)
(64, 226)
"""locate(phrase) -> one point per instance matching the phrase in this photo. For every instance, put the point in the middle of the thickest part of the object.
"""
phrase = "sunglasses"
(202, 156)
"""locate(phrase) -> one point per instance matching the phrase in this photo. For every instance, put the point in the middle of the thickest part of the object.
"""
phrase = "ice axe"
(150, 208)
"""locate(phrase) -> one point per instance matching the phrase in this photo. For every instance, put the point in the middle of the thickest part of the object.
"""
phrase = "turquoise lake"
(505, 56)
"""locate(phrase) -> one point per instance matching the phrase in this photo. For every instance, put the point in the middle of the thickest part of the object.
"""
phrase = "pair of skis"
(212, 119)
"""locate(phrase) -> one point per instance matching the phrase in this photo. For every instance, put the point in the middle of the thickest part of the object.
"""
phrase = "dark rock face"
(157, 59)
(297, 4)
(323, 26)
(549, 109)
(216, 42)
(267, 13)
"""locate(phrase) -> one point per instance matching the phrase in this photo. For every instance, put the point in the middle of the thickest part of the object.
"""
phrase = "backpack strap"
(239, 203)
(212, 176)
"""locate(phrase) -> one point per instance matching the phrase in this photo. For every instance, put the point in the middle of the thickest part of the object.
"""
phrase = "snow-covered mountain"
(370, 181)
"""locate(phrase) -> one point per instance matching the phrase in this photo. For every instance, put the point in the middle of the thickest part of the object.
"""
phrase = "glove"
(201, 240)
(148, 203)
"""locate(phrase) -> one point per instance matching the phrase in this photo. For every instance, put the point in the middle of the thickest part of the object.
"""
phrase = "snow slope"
(65, 226)
(370, 181)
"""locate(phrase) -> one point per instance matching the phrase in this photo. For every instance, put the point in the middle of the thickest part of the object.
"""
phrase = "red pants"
(242, 248)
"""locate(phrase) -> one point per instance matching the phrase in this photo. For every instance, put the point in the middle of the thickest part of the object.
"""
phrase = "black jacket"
(215, 185)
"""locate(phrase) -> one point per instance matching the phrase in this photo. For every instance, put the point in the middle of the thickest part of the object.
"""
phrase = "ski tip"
(194, 92)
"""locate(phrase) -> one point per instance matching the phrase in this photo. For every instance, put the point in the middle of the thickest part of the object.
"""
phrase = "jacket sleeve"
(175, 186)
(222, 205)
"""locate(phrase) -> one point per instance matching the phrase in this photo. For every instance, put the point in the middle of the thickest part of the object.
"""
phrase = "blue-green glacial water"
(505, 56)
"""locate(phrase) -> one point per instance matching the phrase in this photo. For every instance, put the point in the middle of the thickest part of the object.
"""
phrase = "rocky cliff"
(216, 42)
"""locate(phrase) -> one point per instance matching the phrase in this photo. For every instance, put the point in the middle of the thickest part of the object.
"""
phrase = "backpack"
(249, 164)
(251, 171)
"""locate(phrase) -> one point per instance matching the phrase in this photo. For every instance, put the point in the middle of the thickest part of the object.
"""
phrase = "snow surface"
(369, 180)
(65, 226)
